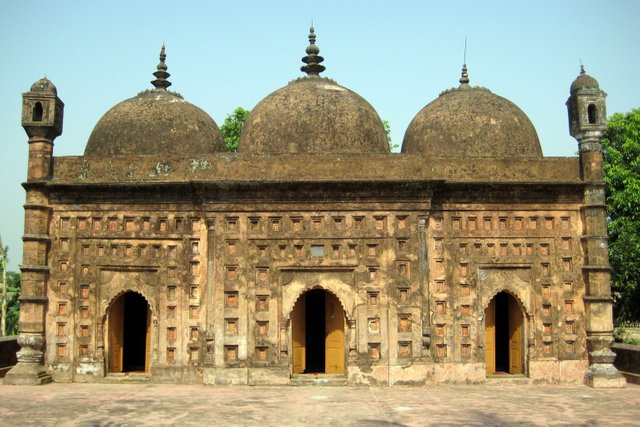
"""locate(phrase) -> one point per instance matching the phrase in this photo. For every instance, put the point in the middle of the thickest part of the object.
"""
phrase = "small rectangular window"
(317, 250)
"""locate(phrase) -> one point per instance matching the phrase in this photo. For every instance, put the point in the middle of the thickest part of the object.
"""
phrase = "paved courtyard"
(184, 405)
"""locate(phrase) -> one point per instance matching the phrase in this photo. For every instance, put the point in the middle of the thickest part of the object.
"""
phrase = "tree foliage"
(13, 304)
(232, 127)
(387, 129)
(9, 288)
(621, 145)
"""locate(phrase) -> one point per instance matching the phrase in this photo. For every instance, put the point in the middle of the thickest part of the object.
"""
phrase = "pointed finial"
(312, 60)
(582, 69)
(464, 57)
(464, 79)
(161, 82)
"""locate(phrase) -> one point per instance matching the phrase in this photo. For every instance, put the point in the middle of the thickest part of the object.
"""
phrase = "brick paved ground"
(158, 405)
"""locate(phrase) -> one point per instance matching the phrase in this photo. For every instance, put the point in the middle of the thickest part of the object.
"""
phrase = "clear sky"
(399, 55)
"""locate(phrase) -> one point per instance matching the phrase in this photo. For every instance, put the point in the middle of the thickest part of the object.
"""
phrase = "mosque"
(313, 253)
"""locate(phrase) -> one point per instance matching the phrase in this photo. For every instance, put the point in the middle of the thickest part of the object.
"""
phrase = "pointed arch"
(512, 293)
(294, 290)
(114, 297)
(516, 280)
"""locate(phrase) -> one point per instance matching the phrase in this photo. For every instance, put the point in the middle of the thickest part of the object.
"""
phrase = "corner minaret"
(42, 112)
(587, 122)
(42, 121)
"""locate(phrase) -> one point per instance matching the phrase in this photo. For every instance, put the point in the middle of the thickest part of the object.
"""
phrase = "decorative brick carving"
(262, 327)
(261, 353)
(231, 299)
(262, 303)
(231, 353)
(404, 349)
(231, 326)
(464, 330)
(171, 334)
(374, 350)
(404, 323)
(372, 298)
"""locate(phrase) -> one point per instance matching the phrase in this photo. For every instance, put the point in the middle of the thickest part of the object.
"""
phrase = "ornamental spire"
(161, 82)
(312, 60)
(464, 79)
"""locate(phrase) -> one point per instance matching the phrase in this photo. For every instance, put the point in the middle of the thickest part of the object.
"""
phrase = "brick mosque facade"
(314, 252)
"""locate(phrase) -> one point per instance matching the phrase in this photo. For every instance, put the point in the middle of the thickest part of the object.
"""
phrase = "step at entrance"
(507, 379)
(319, 379)
(127, 377)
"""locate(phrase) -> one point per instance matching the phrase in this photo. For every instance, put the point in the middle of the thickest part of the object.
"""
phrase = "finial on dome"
(464, 79)
(312, 60)
(161, 82)
(582, 69)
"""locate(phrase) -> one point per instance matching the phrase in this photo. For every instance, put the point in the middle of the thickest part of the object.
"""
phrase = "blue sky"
(399, 55)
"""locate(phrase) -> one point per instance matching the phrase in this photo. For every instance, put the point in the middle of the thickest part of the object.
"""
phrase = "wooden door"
(515, 337)
(334, 338)
(490, 337)
(298, 335)
(147, 345)
(116, 334)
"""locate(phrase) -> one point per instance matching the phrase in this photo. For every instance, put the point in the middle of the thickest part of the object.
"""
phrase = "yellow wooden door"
(334, 335)
(490, 337)
(515, 337)
(116, 334)
(147, 348)
(298, 336)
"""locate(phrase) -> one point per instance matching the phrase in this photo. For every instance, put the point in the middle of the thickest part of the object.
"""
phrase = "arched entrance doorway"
(504, 334)
(317, 329)
(129, 321)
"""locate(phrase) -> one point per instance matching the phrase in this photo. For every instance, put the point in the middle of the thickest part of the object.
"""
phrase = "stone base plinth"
(225, 376)
(25, 373)
(604, 376)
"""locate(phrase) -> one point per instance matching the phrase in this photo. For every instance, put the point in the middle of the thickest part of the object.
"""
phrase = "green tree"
(13, 303)
(387, 129)
(621, 144)
(9, 294)
(232, 127)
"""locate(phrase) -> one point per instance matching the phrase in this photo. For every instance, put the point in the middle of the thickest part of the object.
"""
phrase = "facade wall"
(413, 281)
(534, 255)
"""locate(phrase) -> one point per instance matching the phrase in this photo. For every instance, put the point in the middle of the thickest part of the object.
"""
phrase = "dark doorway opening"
(129, 334)
(135, 333)
(504, 337)
(317, 334)
(502, 332)
(315, 331)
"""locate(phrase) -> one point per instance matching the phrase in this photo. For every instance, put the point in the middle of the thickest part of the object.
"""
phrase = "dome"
(313, 115)
(155, 122)
(44, 85)
(584, 81)
(471, 122)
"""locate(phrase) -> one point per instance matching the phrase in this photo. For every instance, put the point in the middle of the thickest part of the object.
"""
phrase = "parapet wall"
(628, 361)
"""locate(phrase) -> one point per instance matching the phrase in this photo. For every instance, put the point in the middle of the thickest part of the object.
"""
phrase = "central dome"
(313, 115)
(471, 122)
(155, 122)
